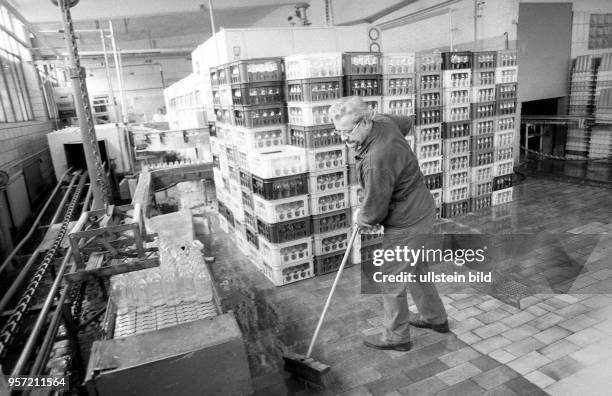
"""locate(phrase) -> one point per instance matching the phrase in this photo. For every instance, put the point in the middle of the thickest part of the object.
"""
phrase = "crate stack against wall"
(428, 122)
(363, 77)
(582, 85)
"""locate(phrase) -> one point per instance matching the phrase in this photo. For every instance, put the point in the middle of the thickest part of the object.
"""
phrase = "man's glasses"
(345, 132)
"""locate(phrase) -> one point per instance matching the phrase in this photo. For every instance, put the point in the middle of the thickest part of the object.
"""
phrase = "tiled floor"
(552, 343)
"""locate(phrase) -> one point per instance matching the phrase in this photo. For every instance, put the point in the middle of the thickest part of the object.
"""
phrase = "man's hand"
(360, 224)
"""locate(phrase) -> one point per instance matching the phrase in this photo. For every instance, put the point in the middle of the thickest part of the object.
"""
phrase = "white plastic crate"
(503, 168)
(479, 189)
(326, 158)
(283, 161)
(503, 139)
(456, 113)
(482, 173)
(398, 63)
(427, 150)
(505, 124)
(235, 190)
(280, 210)
(504, 154)
(483, 93)
(431, 166)
(399, 105)
(459, 78)
(309, 114)
(454, 194)
(456, 147)
(355, 196)
(428, 133)
(258, 139)
(331, 242)
(457, 163)
(457, 97)
(313, 66)
(329, 202)
(502, 196)
(483, 126)
(437, 196)
(326, 181)
(456, 178)
(225, 95)
(282, 254)
(504, 75)
(289, 274)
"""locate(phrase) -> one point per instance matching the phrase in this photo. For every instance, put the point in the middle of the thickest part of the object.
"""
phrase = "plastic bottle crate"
(504, 154)
(322, 182)
(507, 58)
(457, 96)
(455, 209)
(363, 85)
(329, 202)
(437, 196)
(502, 182)
(326, 158)
(399, 63)
(282, 254)
(284, 161)
(240, 229)
(243, 160)
(250, 220)
(456, 147)
(484, 60)
(505, 75)
(428, 62)
(483, 93)
(259, 116)
(428, 116)
(309, 114)
(482, 173)
(455, 79)
(483, 78)
(290, 274)
(216, 97)
(457, 60)
(428, 134)
(369, 238)
(224, 116)
(330, 242)
(482, 142)
(364, 254)
(454, 179)
(505, 123)
(481, 158)
(398, 105)
(333, 221)
(480, 203)
(478, 189)
(215, 161)
(430, 166)
(214, 77)
(429, 99)
(313, 65)
(484, 126)
(506, 107)
(483, 110)
(433, 182)
(329, 263)
(313, 136)
(505, 91)
(314, 89)
(280, 187)
(353, 178)
(246, 180)
(280, 210)
(355, 195)
(361, 63)
(429, 150)
(502, 196)
(504, 139)
(256, 70)
(256, 94)
(454, 130)
(503, 168)
(456, 114)
(398, 86)
(286, 231)
(429, 82)
(252, 238)
(373, 104)
(455, 194)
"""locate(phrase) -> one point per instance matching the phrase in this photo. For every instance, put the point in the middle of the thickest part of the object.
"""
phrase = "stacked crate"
(604, 75)
(506, 73)
(313, 84)
(457, 127)
(363, 77)
(582, 86)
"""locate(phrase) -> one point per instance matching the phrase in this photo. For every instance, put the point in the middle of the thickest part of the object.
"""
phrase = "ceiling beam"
(379, 14)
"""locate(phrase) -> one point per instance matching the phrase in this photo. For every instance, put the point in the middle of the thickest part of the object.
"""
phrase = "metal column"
(97, 176)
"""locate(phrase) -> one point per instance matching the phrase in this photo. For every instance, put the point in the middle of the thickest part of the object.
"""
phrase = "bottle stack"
(363, 77)
(399, 84)
(604, 75)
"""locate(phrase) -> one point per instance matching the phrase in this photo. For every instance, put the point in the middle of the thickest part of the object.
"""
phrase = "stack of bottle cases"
(363, 77)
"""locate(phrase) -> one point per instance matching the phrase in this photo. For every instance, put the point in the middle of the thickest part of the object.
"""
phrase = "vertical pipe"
(450, 29)
(213, 28)
(476, 24)
(119, 72)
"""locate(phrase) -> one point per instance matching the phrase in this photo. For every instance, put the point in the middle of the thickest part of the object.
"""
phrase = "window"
(600, 31)
(15, 103)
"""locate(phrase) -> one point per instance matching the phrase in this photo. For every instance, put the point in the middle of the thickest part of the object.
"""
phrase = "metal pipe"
(119, 73)
(7, 260)
(108, 78)
(24, 271)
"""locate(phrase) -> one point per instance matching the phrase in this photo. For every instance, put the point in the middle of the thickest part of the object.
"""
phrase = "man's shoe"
(440, 328)
(375, 342)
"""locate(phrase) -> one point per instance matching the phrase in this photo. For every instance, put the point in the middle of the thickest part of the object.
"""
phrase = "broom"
(303, 366)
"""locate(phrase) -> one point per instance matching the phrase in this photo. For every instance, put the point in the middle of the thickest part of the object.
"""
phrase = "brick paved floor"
(551, 343)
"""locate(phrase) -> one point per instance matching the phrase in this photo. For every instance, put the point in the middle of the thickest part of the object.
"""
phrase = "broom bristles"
(307, 369)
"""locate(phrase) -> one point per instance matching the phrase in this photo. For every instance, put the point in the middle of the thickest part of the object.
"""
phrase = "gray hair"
(351, 105)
